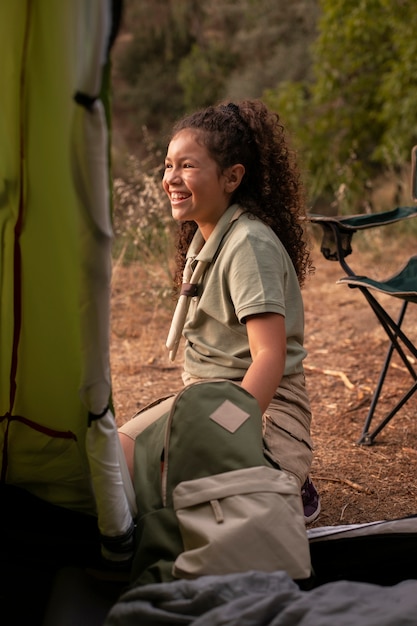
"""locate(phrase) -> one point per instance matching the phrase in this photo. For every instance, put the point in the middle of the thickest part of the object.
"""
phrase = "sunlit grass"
(143, 226)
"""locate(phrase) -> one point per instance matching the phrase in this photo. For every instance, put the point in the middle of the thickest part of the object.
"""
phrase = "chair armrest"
(338, 230)
(364, 220)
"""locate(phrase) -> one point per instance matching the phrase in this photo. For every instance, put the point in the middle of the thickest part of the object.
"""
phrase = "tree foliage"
(358, 115)
(341, 73)
(186, 54)
(150, 63)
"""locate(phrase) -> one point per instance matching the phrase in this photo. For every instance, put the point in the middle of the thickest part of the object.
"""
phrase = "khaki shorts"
(286, 425)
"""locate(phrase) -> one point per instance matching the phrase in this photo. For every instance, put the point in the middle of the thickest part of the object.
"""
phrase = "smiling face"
(196, 188)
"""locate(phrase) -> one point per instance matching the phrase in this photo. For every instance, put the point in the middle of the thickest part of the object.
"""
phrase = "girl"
(234, 190)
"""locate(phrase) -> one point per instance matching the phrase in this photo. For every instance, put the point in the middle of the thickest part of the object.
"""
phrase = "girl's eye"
(168, 166)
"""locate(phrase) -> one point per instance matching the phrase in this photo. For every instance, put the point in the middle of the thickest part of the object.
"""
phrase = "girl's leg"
(128, 447)
(287, 438)
(287, 428)
(135, 426)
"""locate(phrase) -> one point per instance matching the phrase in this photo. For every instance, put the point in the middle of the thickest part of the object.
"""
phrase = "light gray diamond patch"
(230, 416)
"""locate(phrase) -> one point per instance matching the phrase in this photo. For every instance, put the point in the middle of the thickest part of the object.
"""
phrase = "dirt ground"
(346, 349)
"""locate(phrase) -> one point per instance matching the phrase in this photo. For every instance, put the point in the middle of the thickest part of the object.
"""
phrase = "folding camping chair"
(336, 246)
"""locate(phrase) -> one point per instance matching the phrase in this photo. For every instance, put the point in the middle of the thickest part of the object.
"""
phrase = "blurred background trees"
(342, 74)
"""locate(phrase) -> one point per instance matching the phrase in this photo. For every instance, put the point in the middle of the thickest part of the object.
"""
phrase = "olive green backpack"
(209, 501)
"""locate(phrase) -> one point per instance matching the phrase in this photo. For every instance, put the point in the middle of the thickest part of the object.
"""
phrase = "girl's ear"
(233, 176)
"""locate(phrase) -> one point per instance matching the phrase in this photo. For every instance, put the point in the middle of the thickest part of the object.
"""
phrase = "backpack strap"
(193, 272)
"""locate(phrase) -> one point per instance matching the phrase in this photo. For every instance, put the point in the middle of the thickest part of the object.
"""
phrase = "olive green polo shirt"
(249, 273)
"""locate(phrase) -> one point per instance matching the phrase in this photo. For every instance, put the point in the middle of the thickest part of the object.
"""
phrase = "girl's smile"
(192, 180)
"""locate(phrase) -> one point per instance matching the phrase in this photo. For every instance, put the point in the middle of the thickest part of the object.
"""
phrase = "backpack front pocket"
(246, 519)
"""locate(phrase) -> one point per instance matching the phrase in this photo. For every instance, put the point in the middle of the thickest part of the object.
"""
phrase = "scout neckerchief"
(195, 266)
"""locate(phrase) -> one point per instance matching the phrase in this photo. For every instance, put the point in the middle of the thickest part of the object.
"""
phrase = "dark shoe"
(311, 501)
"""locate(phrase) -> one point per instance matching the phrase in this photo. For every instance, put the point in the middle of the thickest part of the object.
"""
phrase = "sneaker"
(311, 501)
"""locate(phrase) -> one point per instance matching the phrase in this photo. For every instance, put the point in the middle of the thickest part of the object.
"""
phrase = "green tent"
(58, 437)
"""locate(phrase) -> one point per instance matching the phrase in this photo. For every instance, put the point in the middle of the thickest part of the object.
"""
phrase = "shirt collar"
(210, 247)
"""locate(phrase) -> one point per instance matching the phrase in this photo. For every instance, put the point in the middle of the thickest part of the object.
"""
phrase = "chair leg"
(395, 334)
(367, 438)
(394, 331)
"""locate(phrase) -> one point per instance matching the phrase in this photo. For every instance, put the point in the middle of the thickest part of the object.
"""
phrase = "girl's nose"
(172, 176)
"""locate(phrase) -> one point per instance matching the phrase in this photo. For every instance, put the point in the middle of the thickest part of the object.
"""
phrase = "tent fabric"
(55, 258)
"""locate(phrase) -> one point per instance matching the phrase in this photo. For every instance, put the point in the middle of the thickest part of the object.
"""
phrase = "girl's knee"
(128, 447)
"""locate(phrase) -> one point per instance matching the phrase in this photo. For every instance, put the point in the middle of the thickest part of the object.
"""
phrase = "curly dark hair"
(250, 134)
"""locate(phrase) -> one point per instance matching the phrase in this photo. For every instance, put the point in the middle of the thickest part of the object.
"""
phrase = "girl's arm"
(268, 347)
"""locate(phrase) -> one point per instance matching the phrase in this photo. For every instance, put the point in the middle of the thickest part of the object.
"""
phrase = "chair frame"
(336, 246)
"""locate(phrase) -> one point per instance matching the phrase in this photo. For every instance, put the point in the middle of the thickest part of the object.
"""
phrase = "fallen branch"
(337, 373)
(360, 404)
(345, 481)
(342, 513)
